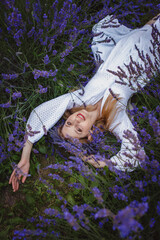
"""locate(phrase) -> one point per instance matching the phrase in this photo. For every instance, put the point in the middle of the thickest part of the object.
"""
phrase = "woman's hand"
(19, 174)
(91, 159)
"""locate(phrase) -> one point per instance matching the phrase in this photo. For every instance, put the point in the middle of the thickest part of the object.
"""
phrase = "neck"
(95, 114)
(98, 108)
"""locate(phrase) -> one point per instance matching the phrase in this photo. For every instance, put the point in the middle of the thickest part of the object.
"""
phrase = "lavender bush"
(45, 52)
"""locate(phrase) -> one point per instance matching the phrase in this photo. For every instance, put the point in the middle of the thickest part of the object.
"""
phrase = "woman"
(116, 48)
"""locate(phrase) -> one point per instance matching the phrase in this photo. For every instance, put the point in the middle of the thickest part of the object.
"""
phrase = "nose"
(78, 119)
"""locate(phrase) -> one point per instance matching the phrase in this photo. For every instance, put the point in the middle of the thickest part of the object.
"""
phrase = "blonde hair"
(104, 121)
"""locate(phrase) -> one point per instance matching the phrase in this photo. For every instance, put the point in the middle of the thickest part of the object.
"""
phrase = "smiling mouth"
(80, 115)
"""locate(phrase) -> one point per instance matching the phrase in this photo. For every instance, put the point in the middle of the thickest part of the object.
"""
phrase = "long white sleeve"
(131, 153)
(46, 115)
(107, 33)
(128, 157)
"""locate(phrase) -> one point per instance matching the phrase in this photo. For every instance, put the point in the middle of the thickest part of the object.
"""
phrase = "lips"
(81, 116)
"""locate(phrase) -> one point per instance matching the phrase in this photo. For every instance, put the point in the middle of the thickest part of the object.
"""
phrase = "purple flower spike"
(97, 194)
(5, 105)
(41, 89)
(125, 221)
(158, 208)
(9, 76)
(46, 60)
(16, 95)
(71, 220)
(19, 171)
(46, 74)
(71, 67)
(54, 52)
(45, 130)
(103, 213)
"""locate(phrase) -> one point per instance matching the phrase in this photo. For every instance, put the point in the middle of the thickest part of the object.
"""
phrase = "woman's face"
(79, 124)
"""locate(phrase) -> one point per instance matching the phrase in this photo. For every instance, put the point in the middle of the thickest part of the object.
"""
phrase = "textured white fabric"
(112, 46)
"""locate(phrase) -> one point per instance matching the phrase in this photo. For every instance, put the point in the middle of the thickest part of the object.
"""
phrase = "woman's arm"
(131, 153)
(41, 119)
(23, 165)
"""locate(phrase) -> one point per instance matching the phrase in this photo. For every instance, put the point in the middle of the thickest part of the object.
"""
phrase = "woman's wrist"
(26, 151)
(31, 144)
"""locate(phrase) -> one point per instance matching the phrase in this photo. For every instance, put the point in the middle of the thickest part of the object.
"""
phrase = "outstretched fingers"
(24, 179)
(12, 176)
(15, 180)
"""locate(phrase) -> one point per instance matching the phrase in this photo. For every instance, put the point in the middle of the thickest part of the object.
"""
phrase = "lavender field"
(45, 50)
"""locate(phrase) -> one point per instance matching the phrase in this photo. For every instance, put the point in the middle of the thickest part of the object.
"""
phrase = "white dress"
(112, 46)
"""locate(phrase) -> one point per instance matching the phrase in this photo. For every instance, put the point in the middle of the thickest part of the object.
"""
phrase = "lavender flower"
(97, 194)
(70, 219)
(37, 11)
(60, 167)
(45, 74)
(76, 185)
(9, 76)
(158, 208)
(5, 105)
(27, 5)
(155, 125)
(31, 32)
(71, 67)
(45, 130)
(46, 21)
(118, 192)
(7, 90)
(54, 52)
(152, 222)
(10, 3)
(25, 232)
(125, 221)
(53, 212)
(15, 19)
(41, 90)
(29, 132)
(140, 185)
(19, 171)
(10, 137)
(16, 95)
(80, 212)
(103, 213)
(56, 176)
(46, 60)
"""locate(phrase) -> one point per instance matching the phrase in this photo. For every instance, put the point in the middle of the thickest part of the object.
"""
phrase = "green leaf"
(4, 233)
(30, 200)
(89, 199)
(15, 220)
(72, 180)
(76, 191)
(82, 180)
(43, 149)
(70, 199)
(15, 157)
(94, 184)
